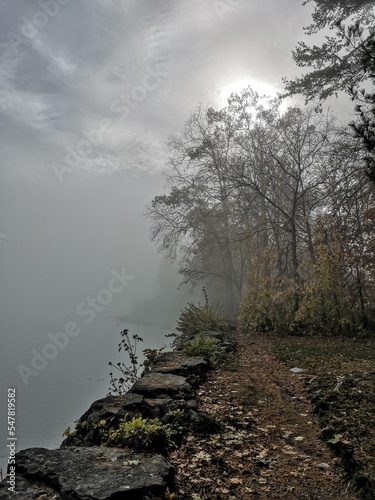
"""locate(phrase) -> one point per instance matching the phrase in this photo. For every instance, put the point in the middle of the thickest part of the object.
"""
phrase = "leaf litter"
(269, 446)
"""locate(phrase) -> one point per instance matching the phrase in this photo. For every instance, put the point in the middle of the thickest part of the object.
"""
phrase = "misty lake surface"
(65, 389)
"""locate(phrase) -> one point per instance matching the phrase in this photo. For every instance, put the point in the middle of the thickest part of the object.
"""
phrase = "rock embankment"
(83, 469)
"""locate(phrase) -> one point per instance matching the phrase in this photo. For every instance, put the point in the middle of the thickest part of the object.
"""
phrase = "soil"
(260, 438)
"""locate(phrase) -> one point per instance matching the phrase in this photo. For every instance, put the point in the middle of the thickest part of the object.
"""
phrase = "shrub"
(319, 304)
(269, 306)
(207, 347)
(325, 303)
(196, 319)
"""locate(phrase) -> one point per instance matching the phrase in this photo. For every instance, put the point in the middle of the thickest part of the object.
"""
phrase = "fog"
(80, 157)
(90, 91)
(65, 242)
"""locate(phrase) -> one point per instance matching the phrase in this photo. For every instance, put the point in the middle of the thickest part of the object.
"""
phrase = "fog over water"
(89, 93)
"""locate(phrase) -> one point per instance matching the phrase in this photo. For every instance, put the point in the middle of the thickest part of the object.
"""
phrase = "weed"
(144, 434)
(207, 347)
(195, 319)
(129, 374)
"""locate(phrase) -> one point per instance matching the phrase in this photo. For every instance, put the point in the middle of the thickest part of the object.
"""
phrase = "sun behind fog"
(236, 86)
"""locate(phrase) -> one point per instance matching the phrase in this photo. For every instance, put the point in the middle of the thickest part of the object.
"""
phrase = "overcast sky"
(89, 92)
(141, 65)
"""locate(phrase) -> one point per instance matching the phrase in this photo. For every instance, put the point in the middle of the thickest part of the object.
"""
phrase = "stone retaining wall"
(83, 470)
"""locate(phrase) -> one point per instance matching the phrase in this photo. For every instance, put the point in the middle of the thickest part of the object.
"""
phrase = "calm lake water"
(67, 386)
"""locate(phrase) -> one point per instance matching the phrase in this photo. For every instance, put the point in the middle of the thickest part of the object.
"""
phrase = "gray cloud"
(63, 80)
(62, 84)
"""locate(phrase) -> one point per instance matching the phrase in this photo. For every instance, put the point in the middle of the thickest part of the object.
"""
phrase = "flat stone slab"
(154, 384)
(27, 490)
(94, 473)
(115, 405)
(194, 369)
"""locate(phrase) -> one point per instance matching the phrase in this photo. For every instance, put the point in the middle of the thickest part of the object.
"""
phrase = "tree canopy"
(267, 209)
(344, 61)
(341, 61)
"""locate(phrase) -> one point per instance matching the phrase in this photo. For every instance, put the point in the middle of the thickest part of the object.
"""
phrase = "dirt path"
(268, 446)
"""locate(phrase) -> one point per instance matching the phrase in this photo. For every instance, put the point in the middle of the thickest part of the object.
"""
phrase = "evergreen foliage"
(345, 61)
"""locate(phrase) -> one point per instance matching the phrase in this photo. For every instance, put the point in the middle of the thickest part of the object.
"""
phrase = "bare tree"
(196, 222)
(286, 166)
